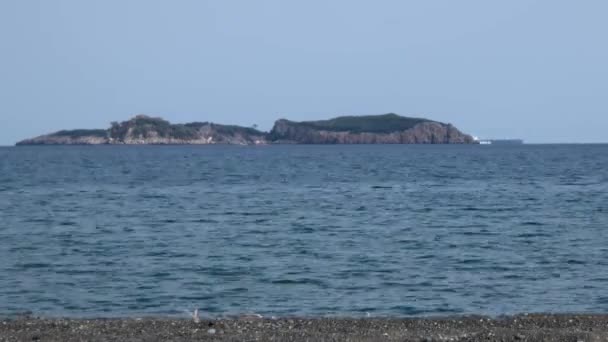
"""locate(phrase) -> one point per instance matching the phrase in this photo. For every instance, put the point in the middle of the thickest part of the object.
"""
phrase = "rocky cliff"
(372, 129)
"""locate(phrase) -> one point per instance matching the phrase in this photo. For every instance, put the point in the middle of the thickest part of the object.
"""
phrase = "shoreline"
(525, 327)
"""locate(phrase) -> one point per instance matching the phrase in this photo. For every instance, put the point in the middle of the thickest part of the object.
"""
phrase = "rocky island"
(370, 129)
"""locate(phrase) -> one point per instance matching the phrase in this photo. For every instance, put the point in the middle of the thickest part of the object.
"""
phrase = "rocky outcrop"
(145, 130)
(369, 131)
(372, 129)
(74, 137)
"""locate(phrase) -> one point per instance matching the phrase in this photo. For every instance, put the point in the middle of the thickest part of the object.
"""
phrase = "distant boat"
(501, 142)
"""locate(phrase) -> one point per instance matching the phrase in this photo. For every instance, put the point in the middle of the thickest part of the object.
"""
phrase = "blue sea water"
(303, 230)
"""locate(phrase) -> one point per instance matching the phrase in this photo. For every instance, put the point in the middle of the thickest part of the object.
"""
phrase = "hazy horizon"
(533, 70)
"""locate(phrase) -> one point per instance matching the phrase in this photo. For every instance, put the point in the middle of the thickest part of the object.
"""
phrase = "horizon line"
(525, 143)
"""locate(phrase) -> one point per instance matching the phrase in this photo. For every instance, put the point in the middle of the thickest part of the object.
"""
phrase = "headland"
(370, 129)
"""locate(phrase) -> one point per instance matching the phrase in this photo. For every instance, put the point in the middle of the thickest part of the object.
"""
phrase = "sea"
(303, 230)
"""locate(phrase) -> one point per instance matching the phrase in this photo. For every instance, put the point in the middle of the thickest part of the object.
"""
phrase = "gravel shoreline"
(537, 327)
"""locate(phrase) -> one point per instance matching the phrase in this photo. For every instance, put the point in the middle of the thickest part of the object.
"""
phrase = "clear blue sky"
(535, 69)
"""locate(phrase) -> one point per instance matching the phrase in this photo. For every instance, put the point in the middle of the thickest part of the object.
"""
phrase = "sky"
(531, 69)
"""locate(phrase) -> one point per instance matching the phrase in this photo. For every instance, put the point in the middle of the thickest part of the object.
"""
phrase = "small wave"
(303, 229)
(245, 213)
(512, 277)
(205, 220)
(381, 187)
(532, 235)
(67, 223)
(161, 275)
(34, 265)
(301, 281)
(38, 220)
(149, 196)
(575, 262)
(532, 223)
(479, 233)
(407, 310)
(491, 210)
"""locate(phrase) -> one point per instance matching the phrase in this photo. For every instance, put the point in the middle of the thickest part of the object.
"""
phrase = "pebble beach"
(537, 327)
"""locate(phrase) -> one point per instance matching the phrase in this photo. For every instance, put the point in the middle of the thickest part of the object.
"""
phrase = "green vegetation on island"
(147, 127)
(144, 126)
(225, 129)
(385, 123)
(78, 133)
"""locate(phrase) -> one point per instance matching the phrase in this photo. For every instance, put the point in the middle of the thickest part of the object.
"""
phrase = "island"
(369, 129)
